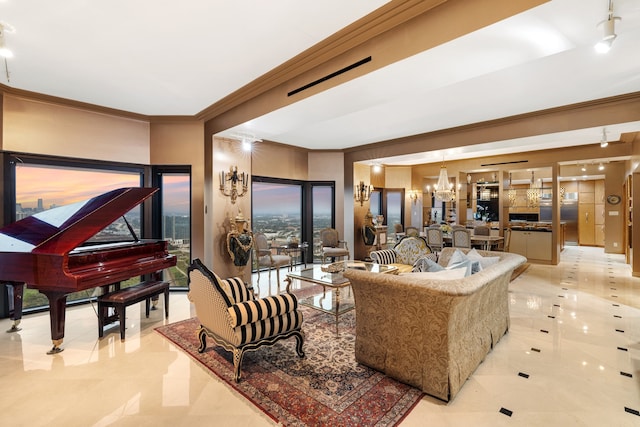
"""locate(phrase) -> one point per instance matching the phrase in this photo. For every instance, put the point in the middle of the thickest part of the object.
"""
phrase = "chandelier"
(444, 191)
(533, 193)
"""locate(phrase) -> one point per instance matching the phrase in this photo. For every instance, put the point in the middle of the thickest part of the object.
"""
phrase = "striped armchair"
(230, 314)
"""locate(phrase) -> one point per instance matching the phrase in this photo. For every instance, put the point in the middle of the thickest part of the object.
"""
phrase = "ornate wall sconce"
(362, 193)
(413, 195)
(234, 184)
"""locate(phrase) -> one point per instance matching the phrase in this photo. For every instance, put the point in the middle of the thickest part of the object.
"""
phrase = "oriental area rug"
(325, 388)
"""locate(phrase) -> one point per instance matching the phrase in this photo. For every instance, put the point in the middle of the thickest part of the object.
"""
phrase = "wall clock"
(613, 199)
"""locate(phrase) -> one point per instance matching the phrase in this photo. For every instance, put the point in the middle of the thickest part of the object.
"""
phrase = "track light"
(603, 140)
(601, 167)
(609, 31)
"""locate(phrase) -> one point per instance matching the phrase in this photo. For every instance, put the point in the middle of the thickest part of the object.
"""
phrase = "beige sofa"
(430, 333)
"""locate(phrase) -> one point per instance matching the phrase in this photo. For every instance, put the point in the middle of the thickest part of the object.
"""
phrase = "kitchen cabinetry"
(535, 245)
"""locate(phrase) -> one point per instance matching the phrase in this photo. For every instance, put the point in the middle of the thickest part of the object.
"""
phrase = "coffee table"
(329, 301)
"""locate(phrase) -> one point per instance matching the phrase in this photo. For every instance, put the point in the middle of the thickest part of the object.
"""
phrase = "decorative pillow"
(485, 261)
(445, 274)
(427, 263)
(459, 256)
(465, 265)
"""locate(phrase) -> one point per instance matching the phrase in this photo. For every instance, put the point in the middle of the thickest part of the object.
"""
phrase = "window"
(322, 196)
(393, 208)
(285, 209)
(42, 184)
(277, 210)
(174, 217)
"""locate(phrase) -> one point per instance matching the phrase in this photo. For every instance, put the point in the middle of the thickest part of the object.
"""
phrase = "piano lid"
(60, 230)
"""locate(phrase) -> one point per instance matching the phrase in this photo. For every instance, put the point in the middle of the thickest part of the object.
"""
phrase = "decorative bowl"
(336, 267)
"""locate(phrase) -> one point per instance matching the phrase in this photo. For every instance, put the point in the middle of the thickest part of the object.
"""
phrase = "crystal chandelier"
(533, 193)
(444, 191)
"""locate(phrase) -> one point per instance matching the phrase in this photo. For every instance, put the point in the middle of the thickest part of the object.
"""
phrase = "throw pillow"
(459, 256)
(426, 263)
(466, 266)
(485, 261)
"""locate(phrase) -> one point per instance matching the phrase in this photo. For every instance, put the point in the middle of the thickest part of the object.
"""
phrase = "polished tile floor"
(571, 358)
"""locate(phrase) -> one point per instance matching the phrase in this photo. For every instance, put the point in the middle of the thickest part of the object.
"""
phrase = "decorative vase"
(239, 247)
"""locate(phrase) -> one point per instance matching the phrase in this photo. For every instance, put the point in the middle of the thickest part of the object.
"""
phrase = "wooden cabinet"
(535, 245)
(591, 199)
(586, 224)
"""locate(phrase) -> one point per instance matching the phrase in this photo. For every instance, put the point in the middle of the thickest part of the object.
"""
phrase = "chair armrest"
(344, 242)
(252, 311)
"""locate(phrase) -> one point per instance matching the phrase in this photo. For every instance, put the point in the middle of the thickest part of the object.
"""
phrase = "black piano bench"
(122, 298)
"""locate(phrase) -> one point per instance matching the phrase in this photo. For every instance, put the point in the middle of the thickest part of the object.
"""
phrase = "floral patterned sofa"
(427, 331)
(404, 254)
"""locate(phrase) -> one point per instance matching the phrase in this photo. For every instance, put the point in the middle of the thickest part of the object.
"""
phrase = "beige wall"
(221, 211)
(327, 166)
(37, 127)
(181, 143)
(279, 161)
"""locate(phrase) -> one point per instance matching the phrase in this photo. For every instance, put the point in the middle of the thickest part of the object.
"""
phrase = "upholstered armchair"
(405, 253)
(332, 246)
(265, 258)
(233, 318)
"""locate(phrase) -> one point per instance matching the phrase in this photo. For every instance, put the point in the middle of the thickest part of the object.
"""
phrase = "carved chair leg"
(237, 363)
(202, 337)
(299, 342)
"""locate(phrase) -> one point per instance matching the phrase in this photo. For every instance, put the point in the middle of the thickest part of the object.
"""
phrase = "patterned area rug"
(326, 388)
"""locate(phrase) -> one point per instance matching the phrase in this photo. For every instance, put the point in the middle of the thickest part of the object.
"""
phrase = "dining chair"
(412, 231)
(482, 230)
(435, 238)
(461, 238)
(264, 258)
(332, 246)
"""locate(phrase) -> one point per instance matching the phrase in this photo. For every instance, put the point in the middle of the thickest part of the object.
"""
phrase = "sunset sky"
(62, 186)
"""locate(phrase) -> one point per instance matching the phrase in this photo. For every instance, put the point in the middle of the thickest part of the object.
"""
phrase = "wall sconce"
(233, 184)
(362, 193)
(413, 195)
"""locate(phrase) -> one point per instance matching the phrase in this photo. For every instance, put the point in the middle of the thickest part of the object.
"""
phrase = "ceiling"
(159, 58)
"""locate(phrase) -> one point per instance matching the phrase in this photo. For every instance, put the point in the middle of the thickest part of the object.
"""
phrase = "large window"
(277, 211)
(323, 214)
(289, 209)
(175, 213)
(393, 208)
(42, 185)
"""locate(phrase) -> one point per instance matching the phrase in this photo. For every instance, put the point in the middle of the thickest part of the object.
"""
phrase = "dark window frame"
(306, 209)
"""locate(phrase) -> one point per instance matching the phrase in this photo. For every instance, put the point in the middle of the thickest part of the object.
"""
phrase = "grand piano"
(55, 252)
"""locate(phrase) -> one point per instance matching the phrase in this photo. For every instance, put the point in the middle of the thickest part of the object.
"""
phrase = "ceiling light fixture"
(377, 168)
(444, 191)
(603, 140)
(601, 167)
(609, 31)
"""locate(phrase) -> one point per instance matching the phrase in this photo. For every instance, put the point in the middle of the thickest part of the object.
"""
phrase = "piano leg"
(57, 311)
(15, 292)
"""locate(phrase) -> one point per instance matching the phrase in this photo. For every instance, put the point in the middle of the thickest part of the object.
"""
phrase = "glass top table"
(330, 300)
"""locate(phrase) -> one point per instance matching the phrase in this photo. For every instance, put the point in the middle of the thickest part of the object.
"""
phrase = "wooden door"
(586, 224)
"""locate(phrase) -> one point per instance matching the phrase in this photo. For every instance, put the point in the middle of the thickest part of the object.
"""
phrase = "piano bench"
(122, 298)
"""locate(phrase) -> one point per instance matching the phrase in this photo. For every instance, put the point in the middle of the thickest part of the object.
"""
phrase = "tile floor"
(571, 358)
